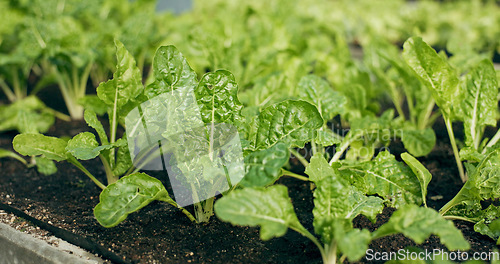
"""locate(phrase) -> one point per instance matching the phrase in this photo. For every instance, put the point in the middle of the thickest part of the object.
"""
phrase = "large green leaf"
(419, 142)
(270, 208)
(434, 71)
(263, 167)
(126, 84)
(418, 223)
(291, 122)
(126, 196)
(479, 106)
(37, 144)
(171, 71)
(217, 97)
(317, 91)
(423, 175)
(84, 146)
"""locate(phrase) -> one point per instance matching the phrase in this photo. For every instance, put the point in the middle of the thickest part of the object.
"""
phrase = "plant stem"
(301, 230)
(299, 157)
(453, 217)
(455, 148)
(84, 170)
(493, 141)
(183, 210)
(294, 175)
(345, 144)
(331, 258)
(107, 168)
(5, 88)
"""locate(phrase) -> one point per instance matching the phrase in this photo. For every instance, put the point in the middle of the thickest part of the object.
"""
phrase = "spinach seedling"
(336, 204)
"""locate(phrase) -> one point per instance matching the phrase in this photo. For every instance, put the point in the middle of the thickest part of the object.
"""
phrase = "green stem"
(428, 112)
(299, 157)
(5, 88)
(345, 144)
(84, 170)
(331, 258)
(294, 175)
(453, 217)
(107, 168)
(455, 149)
(183, 210)
(493, 141)
(456, 200)
(307, 234)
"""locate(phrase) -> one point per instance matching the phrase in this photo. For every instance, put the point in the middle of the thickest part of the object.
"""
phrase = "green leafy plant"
(337, 202)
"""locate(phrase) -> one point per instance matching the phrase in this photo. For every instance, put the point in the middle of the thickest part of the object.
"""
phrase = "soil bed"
(161, 234)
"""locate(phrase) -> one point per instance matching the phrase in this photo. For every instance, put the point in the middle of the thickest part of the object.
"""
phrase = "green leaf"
(36, 144)
(319, 169)
(217, 97)
(291, 122)
(435, 73)
(327, 138)
(92, 102)
(479, 106)
(418, 223)
(354, 243)
(317, 91)
(45, 166)
(335, 200)
(171, 71)
(423, 175)
(91, 118)
(126, 84)
(84, 146)
(127, 195)
(270, 208)
(419, 142)
(263, 167)
(9, 154)
(388, 178)
(123, 160)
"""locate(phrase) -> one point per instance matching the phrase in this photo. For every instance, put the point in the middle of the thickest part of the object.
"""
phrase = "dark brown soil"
(161, 234)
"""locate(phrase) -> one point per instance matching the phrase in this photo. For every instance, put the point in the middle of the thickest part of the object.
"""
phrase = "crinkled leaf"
(217, 97)
(171, 71)
(423, 175)
(387, 178)
(291, 122)
(418, 223)
(126, 84)
(37, 144)
(419, 142)
(479, 106)
(126, 196)
(263, 167)
(335, 200)
(123, 160)
(434, 71)
(45, 166)
(9, 154)
(489, 225)
(270, 208)
(317, 91)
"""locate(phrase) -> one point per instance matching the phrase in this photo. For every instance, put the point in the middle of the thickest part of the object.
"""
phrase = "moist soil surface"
(159, 233)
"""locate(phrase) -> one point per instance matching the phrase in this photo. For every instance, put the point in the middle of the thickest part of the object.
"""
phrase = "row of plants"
(291, 80)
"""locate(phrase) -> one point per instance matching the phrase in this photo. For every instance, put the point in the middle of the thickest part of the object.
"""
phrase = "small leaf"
(263, 167)
(418, 223)
(317, 91)
(91, 119)
(36, 144)
(291, 122)
(419, 142)
(126, 84)
(327, 138)
(217, 97)
(45, 166)
(319, 169)
(171, 71)
(93, 103)
(270, 208)
(435, 73)
(83, 146)
(127, 195)
(354, 243)
(423, 175)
